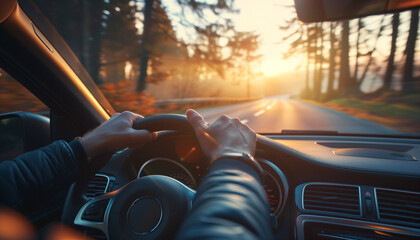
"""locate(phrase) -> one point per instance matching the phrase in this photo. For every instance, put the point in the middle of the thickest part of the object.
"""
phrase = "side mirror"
(331, 10)
(22, 132)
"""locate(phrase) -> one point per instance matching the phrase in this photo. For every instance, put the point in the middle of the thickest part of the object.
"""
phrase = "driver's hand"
(115, 134)
(225, 135)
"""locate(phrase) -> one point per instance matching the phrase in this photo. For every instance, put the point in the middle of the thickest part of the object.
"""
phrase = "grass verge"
(391, 109)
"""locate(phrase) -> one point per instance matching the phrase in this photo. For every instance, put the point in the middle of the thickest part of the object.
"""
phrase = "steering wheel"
(151, 207)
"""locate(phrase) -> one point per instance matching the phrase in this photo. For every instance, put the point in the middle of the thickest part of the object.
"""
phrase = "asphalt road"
(274, 114)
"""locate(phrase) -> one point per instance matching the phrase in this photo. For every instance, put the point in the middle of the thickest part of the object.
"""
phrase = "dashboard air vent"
(95, 212)
(398, 205)
(97, 186)
(332, 198)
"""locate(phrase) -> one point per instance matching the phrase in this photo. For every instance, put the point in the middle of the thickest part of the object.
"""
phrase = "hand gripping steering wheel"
(151, 207)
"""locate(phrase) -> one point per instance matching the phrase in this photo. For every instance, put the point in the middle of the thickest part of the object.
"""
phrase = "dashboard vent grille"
(398, 205)
(97, 186)
(95, 211)
(332, 198)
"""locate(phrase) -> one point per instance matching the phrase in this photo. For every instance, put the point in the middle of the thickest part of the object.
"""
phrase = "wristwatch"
(245, 158)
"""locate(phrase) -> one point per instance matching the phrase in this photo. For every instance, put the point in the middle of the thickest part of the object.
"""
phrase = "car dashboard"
(319, 187)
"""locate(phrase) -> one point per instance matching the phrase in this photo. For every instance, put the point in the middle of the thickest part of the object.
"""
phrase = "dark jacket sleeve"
(230, 203)
(35, 176)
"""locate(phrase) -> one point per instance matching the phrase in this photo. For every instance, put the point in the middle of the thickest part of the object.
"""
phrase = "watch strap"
(245, 158)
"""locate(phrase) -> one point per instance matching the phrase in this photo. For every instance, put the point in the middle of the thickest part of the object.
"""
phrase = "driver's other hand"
(225, 135)
(116, 134)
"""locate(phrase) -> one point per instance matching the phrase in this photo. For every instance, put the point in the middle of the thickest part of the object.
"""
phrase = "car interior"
(320, 185)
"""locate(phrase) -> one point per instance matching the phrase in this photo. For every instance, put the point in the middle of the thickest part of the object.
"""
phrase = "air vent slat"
(398, 217)
(332, 198)
(321, 202)
(399, 195)
(97, 186)
(322, 195)
(335, 189)
(93, 187)
(332, 193)
(407, 206)
(398, 205)
(332, 209)
(401, 211)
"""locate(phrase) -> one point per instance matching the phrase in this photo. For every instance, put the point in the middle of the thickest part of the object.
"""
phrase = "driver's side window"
(16, 98)
(15, 137)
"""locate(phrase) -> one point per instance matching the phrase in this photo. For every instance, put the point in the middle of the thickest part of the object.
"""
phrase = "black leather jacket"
(230, 202)
(30, 179)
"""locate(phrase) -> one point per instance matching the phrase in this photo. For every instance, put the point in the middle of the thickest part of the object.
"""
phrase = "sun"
(276, 66)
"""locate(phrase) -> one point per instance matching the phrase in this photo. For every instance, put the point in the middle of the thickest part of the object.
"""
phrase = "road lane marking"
(259, 113)
(244, 121)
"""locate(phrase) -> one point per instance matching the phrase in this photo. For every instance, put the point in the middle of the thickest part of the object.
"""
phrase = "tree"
(408, 81)
(243, 47)
(206, 51)
(391, 59)
(331, 62)
(318, 75)
(146, 42)
(120, 40)
(359, 81)
(360, 26)
(344, 75)
(81, 29)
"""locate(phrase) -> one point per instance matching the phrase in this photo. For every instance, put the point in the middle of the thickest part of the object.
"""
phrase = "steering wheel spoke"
(95, 213)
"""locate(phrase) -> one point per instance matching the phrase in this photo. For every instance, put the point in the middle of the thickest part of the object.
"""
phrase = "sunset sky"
(262, 17)
(265, 17)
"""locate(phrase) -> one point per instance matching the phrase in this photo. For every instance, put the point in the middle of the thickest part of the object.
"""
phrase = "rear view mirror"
(22, 132)
(331, 10)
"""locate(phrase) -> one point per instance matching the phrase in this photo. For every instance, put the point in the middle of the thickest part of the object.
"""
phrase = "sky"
(264, 18)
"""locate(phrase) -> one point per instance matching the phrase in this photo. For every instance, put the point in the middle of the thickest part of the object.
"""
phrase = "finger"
(237, 121)
(196, 120)
(136, 117)
(140, 137)
(115, 115)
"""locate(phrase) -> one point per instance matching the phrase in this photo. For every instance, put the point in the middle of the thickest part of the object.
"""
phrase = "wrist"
(91, 146)
(245, 158)
(227, 151)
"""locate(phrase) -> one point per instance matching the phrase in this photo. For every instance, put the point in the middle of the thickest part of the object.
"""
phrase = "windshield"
(249, 59)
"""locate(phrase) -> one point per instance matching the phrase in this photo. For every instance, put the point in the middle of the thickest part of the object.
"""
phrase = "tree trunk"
(85, 35)
(315, 64)
(344, 77)
(390, 65)
(408, 82)
(369, 63)
(331, 65)
(95, 40)
(318, 79)
(356, 64)
(308, 59)
(146, 38)
(91, 37)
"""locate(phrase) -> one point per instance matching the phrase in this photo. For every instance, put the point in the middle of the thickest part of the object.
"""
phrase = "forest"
(130, 48)
(366, 67)
(342, 56)
(139, 52)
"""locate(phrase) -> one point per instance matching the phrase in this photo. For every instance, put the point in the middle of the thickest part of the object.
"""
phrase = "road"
(273, 114)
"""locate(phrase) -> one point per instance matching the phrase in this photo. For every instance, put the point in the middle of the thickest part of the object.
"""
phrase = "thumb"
(140, 137)
(196, 120)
